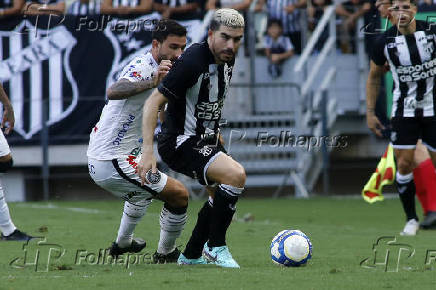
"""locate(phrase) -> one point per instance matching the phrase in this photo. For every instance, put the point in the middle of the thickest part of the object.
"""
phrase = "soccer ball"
(291, 248)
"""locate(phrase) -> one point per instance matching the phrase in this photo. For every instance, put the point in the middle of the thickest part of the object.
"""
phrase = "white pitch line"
(52, 206)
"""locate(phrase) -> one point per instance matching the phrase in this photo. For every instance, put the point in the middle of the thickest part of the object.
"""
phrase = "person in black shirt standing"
(195, 89)
(409, 49)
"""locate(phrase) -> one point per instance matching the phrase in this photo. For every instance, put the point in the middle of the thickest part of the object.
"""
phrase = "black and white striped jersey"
(129, 3)
(412, 60)
(92, 7)
(196, 88)
(290, 21)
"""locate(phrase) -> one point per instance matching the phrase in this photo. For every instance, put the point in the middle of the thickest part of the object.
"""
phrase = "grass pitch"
(342, 231)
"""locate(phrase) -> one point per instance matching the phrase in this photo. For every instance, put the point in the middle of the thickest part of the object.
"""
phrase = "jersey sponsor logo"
(135, 74)
(124, 128)
(209, 110)
(132, 161)
(413, 73)
(46, 47)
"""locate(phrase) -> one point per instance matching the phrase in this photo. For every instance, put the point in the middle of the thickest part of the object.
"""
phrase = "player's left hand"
(8, 117)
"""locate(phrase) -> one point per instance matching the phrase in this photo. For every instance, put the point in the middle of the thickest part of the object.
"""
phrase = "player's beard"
(229, 53)
(162, 57)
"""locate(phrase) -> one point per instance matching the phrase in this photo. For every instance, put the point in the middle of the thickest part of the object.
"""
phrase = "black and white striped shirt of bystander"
(195, 88)
(90, 7)
(412, 60)
(127, 3)
(290, 21)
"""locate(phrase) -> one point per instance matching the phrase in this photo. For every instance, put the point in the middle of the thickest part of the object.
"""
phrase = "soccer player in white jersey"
(7, 228)
(115, 148)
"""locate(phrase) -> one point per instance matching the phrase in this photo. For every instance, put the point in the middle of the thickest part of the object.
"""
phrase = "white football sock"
(7, 227)
(171, 226)
(132, 214)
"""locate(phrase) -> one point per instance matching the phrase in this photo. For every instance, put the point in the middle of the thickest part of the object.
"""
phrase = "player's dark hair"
(275, 21)
(414, 2)
(166, 27)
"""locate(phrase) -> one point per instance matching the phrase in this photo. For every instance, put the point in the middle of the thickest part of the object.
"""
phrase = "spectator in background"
(83, 7)
(288, 13)
(10, 7)
(349, 12)
(240, 5)
(178, 9)
(125, 7)
(278, 48)
(427, 5)
(314, 13)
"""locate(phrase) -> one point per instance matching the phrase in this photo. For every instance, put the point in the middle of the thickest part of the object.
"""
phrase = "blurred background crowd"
(289, 15)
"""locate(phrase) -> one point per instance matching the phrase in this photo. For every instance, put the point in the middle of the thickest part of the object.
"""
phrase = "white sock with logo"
(7, 227)
(171, 226)
(132, 214)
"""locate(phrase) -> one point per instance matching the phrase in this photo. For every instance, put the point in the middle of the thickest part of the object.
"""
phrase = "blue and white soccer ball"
(291, 248)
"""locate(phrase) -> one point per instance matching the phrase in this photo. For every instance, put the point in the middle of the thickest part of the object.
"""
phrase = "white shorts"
(119, 177)
(4, 147)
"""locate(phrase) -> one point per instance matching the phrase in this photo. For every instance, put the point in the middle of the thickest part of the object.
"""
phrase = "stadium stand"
(321, 91)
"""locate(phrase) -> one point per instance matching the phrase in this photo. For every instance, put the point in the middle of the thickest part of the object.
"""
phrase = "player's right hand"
(164, 67)
(374, 124)
(147, 162)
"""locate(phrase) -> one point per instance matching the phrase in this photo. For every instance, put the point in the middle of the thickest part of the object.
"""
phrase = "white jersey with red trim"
(118, 132)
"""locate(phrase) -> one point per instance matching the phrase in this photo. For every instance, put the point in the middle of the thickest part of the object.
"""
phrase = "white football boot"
(410, 228)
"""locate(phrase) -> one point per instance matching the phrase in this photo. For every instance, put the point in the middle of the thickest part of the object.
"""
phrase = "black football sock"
(224, 207)
(406, 189)
(200, 233)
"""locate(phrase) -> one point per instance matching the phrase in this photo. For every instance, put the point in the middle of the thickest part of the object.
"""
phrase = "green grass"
(342, 232)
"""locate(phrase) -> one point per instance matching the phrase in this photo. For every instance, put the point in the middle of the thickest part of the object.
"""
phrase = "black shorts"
(191, 158)
(407, 130)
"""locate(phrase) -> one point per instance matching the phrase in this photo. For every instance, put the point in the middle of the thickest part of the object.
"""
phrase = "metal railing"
(308, 112)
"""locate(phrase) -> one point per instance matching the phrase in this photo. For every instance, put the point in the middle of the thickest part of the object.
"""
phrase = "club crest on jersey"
(22, 66)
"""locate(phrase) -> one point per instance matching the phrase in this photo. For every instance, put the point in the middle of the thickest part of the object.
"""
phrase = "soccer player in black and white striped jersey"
(195, 89)
(409, 49)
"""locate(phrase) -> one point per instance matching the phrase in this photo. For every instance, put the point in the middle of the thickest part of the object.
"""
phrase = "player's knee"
(237, 176)
(180, 196)
(6, 165)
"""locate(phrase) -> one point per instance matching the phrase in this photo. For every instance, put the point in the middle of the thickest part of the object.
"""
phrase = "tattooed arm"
(125, 88)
